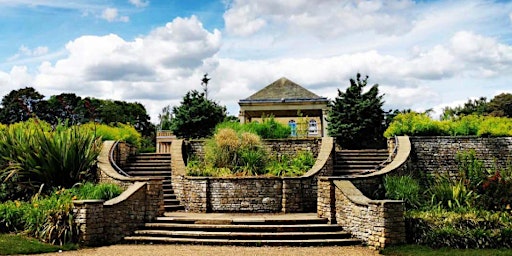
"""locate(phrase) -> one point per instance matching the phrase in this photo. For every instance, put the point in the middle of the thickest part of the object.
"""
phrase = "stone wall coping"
(88, 201)
(325, 152)
(356, 197)
(126, 194)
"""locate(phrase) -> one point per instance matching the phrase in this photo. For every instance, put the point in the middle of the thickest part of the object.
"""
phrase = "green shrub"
(124, 132)
(403, 188)
(102, 191)
(11, 217)
(451, 194)
(269, 128)
(466, 229)
(287, 166)
(50, 218)
(495, 127)
(416, 124)
(465, 125)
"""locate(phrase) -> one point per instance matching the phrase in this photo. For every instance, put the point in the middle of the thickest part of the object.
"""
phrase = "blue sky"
(423, 54)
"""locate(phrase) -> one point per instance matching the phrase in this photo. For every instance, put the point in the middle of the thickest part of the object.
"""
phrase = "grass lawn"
(406, 250)
(19, 244)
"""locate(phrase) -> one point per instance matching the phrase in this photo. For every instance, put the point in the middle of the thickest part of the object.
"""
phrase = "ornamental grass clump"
(36, 157)
(242, 154)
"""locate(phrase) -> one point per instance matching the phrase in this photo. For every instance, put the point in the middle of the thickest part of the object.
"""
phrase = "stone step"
(155, 157)
(173, 208)
(169, 201)
(255, 242)
(242, 227)
(245, 235)
(169, 195)
(355, 166)
(149, 163)
(147, 168)
(276, 221)
(154, 173)
(351, 172)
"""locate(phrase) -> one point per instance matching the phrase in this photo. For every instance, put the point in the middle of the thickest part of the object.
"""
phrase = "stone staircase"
(242, 229)
(155, 165)
(355, 162)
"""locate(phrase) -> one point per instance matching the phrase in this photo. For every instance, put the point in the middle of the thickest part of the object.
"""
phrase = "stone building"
(290, 104)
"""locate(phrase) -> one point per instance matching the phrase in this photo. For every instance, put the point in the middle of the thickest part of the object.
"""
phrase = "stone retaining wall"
(437, 154)
(378, 223)
(259, 194)
(101, 222)
(247, 194)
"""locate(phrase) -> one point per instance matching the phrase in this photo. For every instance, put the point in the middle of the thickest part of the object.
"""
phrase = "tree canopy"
(20, 105)
(499, 106)
(197, 116)
(356, 118)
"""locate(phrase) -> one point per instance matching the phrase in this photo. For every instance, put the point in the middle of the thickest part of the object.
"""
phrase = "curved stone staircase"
(155, 165)
(359, 162)
(242, 229)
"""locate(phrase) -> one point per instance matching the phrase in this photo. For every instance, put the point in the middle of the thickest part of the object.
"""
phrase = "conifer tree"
(356, 118)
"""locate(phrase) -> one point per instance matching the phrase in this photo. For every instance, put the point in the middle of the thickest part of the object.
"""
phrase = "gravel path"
(192, 250)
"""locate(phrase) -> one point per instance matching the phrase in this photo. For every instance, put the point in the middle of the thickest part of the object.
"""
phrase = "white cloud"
(139, 3)
(27, 52)
(325, 18)
(111, 15)
(158, 67)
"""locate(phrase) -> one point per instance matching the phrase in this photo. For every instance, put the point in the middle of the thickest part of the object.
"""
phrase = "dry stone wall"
(248, 194)
(101, 222)
(378, 223)
(437, 154)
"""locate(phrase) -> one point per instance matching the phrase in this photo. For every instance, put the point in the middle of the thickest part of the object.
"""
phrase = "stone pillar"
(324, 122)
(241, 116)
(90, 221)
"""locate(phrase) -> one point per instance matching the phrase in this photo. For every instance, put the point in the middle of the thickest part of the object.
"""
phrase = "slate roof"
(283, 88)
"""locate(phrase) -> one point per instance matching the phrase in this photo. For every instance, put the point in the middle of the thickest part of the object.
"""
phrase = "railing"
(113, 162)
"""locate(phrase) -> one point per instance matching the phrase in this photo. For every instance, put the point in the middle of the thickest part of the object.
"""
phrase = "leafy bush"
(416, 124)
(269, 128)
(404, 188)
(467, 229)
(495, 126)
(124, 132)
(287, 166)
(102, 191)
(50, 218)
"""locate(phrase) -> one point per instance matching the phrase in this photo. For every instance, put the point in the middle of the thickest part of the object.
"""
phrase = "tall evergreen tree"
(197, 116)
(356, 119)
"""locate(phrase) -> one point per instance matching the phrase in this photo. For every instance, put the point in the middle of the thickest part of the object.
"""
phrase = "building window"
(293, 128)
(313, 127)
